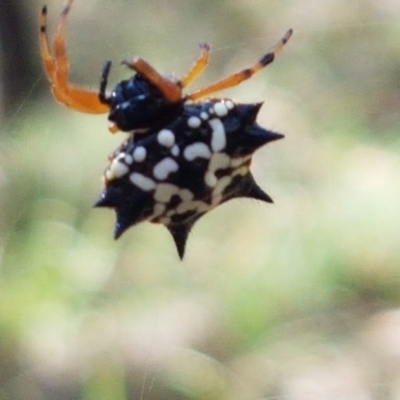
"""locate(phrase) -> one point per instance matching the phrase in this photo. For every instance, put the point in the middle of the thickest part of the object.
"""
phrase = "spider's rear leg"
(198, 66)
(57, 68)
(240, 76)
(60, 51)
(47, 58)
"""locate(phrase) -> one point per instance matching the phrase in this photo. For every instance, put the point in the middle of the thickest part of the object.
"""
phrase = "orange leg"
(57, 69)
(171, 90)
(198, 66)
(239, 77)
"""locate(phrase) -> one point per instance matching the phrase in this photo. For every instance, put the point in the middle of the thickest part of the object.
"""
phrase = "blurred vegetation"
(299, 300)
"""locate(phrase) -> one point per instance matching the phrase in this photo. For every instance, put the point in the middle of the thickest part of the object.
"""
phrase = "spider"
(183, 157)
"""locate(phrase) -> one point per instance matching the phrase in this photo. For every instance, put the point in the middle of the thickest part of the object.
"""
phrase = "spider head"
(137, 103)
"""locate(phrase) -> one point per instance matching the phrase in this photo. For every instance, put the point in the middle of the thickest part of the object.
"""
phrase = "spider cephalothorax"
(182, 157)
(137, 104)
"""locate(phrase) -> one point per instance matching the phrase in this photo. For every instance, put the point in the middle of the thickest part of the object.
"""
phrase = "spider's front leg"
(198, 66)
(57, 68)
(170, 88)
(240, 76)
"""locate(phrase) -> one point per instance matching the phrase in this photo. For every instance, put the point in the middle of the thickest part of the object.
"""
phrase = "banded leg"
(57, 68)
(240, 76)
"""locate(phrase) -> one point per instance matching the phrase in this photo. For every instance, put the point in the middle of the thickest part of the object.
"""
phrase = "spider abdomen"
(176, 174)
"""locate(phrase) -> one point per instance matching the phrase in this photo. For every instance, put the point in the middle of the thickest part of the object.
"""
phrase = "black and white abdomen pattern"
(175, 174)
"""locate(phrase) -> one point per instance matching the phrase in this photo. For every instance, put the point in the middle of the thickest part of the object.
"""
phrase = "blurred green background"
(297, 300)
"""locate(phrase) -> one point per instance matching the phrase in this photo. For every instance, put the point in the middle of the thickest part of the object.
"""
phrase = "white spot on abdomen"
(220, 109)
(196, 205)
(236, 162)
(175, 151)
(194, 122)
(223, 183)
(142, 182)
(159, 209)
(128, 159)
(196, 150)
(139, 154)
(218, 137)
(210, 179)
(218, 161)
(116, 170)
(166, 138)
(165, 191)
(229, 104)
(165, 167)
